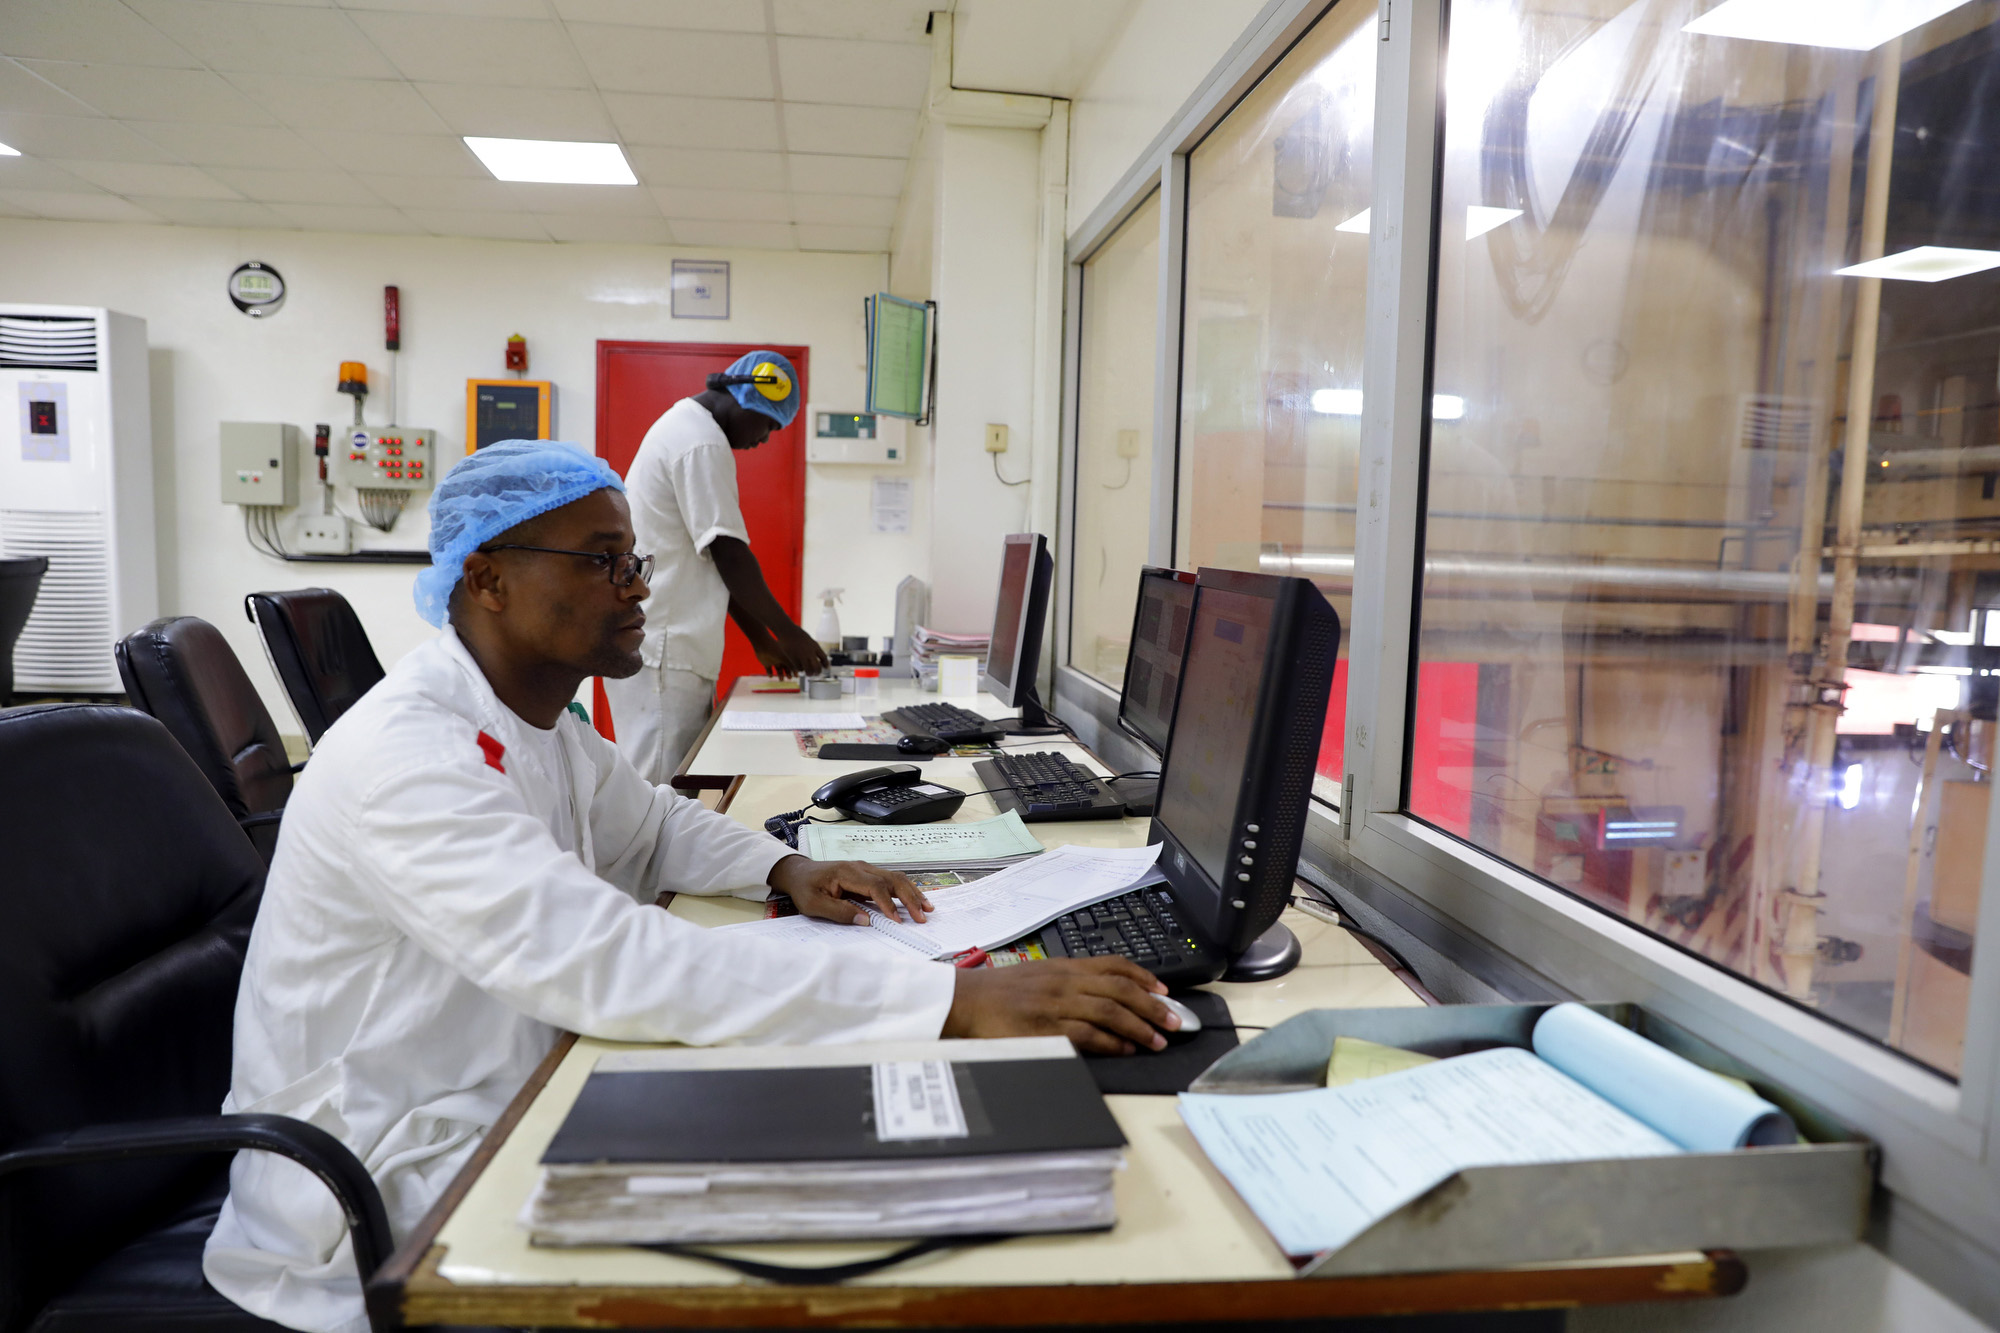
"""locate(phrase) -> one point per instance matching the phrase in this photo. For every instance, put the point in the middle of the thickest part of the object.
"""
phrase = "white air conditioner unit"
(76, 485)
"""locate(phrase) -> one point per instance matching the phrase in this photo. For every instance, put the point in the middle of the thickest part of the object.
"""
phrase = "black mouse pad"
(851, 750)
(1170, 1071)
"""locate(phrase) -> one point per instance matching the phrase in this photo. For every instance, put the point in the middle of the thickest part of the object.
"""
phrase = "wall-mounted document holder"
(1816, 1192)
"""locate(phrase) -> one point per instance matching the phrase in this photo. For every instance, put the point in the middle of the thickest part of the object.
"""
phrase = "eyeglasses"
(624, 569)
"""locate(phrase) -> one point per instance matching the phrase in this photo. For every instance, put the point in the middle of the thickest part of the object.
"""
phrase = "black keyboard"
(947, 722)
(1044, 785)
(1146, 926)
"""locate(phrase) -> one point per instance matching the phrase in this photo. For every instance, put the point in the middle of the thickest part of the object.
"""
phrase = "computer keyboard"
(1045, 785)
(1144, 925)
(947, 722)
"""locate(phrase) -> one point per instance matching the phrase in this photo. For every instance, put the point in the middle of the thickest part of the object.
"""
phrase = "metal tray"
(1761, 1198)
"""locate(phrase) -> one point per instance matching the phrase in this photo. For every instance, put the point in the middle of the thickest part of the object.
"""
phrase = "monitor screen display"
(1017, 564)
(1153, 666)
(1220, 683)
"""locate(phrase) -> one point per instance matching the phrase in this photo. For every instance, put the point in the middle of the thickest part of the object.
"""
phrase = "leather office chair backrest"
(183, 672)
(320, 652)
(20, 580)
(125, 909)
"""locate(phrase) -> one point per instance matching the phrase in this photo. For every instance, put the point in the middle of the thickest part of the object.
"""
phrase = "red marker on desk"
(974, 958)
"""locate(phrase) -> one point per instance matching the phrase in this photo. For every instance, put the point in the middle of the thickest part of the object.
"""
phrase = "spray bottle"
(828, 633)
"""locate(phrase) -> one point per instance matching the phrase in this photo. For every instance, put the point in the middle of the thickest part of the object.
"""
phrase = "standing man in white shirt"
(682, 485)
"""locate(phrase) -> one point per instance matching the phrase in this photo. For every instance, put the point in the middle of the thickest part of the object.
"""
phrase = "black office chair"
(20, 580)
(121, 945)
(319, 650)
(182, 671)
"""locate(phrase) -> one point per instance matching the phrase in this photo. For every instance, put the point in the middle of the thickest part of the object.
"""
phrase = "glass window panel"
(1277, 269)
(1118, 334)
(1704, 628)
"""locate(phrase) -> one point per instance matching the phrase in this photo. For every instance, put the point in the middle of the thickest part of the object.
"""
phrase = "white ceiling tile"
(387, 106)
(267, 39)
(478, 222)
(868, 240)
(709, 168)
(337, 217)
(622, 231)
(86, 30)
(158, 178)
(724, 205)
(472, 9)
(463, 193)
(81, 206)
(695, 122)
(697, 15)
(835, 174)
(744, 235)
(275, 186)
(871, 20)
(863, 210)
(234, 145)
(1033, 46)
(64, 137)
(214, 212)
(31, 173)
(154, 94)
(857, 130)
(686, 64)
(23, 92)
(10, 209)
(817, 69)
(396, 154)
(520, 113)
(439, 48)
(611, 201)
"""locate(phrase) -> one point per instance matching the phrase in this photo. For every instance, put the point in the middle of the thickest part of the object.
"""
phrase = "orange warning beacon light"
(354, 378)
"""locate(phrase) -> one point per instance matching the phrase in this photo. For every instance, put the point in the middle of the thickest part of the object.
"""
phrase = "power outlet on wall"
(996, 438)
(326, 534)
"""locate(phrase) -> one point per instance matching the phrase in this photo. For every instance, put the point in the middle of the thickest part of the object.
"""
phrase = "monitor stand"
(1271, 954)
(1033, 720)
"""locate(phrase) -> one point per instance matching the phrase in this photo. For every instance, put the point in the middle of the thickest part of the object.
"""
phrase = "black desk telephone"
(895, 794)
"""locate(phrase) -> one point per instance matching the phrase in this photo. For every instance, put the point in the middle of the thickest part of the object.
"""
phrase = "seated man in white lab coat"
(466, 868)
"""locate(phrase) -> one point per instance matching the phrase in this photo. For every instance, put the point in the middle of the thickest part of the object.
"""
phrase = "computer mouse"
(922, 745)
(1190, 1024)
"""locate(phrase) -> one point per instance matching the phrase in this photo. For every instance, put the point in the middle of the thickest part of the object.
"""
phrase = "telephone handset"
(895, 794)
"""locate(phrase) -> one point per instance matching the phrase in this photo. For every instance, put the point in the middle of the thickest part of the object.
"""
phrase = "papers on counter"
(739, 719)
(987, 912)
(980, 842)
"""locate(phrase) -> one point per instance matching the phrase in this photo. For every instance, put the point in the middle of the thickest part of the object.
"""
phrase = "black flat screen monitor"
(1237, 777)
(1153, 663)
(1014, 653)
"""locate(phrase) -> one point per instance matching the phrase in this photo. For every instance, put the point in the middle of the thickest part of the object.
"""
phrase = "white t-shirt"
(682, 489)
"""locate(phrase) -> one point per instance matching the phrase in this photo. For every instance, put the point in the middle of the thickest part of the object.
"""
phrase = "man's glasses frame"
(624, 568)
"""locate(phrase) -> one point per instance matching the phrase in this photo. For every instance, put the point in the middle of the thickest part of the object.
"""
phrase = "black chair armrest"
(299, 767)
(259, 820)
(308, 1145)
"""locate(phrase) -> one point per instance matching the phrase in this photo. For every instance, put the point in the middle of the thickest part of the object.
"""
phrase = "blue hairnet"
(782, 410)
(492, 490)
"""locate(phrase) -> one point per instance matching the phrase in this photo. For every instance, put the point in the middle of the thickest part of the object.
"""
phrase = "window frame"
(1940, 1195)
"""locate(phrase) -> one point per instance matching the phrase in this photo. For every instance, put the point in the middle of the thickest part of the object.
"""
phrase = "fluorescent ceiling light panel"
(1479, 219)
(1357, 223)
(1844, 25)
(1337, 402)
(553, 161)
(5, 151)
(1926, 263)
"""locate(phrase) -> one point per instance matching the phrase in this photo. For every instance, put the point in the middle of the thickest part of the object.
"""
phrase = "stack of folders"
(928, 645)
(891, 1140)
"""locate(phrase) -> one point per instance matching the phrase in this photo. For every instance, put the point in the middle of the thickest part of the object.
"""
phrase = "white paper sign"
(892, 504)
(917, 1099)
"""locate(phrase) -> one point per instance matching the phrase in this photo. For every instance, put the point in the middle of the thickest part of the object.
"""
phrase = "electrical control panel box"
(385, 458)
(854, 437)
(260, 463)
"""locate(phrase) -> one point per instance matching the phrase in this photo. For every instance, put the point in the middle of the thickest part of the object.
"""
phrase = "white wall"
(1154, 65)
(460, 301)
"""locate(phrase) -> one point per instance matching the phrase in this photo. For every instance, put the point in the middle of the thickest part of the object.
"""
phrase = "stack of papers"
(983, 844)
(995, 910)
(902, 1139)
(928, 645)
(742, 719)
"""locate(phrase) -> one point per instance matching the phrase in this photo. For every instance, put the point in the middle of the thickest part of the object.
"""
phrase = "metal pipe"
(1469, 576)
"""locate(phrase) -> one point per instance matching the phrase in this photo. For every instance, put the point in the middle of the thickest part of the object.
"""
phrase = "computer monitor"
(1237, 776)
(1014, 653)
(1153, 663)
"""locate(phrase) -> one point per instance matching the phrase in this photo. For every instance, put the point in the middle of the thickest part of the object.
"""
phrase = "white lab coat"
(423, 938)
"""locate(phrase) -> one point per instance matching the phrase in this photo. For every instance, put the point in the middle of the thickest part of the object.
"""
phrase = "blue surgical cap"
(781, 410)
(490, 491)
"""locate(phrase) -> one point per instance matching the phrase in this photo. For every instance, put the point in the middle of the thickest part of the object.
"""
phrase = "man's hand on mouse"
(835, 890)
(1105, 1006)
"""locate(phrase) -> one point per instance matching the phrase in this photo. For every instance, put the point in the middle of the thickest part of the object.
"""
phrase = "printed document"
(894, 844)
(739, 719)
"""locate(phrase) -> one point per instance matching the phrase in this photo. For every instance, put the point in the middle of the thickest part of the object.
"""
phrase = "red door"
(636, 383)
